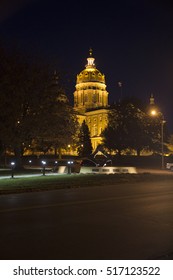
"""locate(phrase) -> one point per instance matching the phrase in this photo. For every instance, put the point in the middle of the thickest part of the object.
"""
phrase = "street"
(123, 221)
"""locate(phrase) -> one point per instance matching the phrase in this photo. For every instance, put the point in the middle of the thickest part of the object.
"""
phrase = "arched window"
(94, 130)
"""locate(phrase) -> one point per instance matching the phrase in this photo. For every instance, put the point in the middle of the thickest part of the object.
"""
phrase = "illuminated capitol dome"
(90, 73)
(91, 100)
(90, 88)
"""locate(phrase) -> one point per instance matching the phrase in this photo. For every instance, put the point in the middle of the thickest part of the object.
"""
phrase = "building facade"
(91, 100)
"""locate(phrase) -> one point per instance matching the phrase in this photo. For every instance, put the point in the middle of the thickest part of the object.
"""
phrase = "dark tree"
(157, 126)
(56, 122)
(129, 127)
(21, 85)
(84, 146)
(136, 127)
(32, 107)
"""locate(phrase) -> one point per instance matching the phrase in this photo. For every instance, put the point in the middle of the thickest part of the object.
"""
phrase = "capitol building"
(91, 100)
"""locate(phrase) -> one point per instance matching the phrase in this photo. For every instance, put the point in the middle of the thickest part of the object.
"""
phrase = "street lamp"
(162, 124)
(12, 169)
(154, 113)
(69, 164)
(44, 166)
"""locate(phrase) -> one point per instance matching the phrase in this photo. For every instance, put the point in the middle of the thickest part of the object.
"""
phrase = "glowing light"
(70, 162)
(90, 62)
(153, 112)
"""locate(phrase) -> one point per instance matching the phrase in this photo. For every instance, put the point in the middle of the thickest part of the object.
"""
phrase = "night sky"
(132, 42)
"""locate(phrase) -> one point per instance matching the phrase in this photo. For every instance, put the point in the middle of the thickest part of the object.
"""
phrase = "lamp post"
(162, 143)
(120, 84)
(154, 113)
(44, 165)
(69, 163)
(12, 169)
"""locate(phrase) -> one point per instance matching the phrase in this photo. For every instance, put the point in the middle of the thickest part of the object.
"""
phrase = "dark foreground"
(132, 220)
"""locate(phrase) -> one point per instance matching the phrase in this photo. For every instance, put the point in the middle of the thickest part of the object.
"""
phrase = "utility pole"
(120, 84)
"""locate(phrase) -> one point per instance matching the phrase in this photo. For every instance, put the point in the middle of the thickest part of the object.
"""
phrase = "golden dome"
(90, 74)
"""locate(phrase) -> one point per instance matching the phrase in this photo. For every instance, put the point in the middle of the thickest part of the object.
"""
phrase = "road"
(124, 221)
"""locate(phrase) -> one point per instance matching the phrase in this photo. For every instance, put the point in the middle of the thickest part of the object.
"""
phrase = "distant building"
(91, 100)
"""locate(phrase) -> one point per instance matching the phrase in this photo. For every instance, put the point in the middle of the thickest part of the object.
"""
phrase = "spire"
(152, 102)
(90, 60)
(55, 78)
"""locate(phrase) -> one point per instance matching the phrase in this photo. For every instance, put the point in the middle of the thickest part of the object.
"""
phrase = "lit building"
(91, 100)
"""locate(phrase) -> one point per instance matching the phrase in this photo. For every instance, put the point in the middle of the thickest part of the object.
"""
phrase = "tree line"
(35, 114)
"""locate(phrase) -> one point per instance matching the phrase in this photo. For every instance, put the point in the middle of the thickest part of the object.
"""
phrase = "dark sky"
(132, 41)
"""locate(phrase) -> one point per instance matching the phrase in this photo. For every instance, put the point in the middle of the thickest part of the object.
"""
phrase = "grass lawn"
(40, 183)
